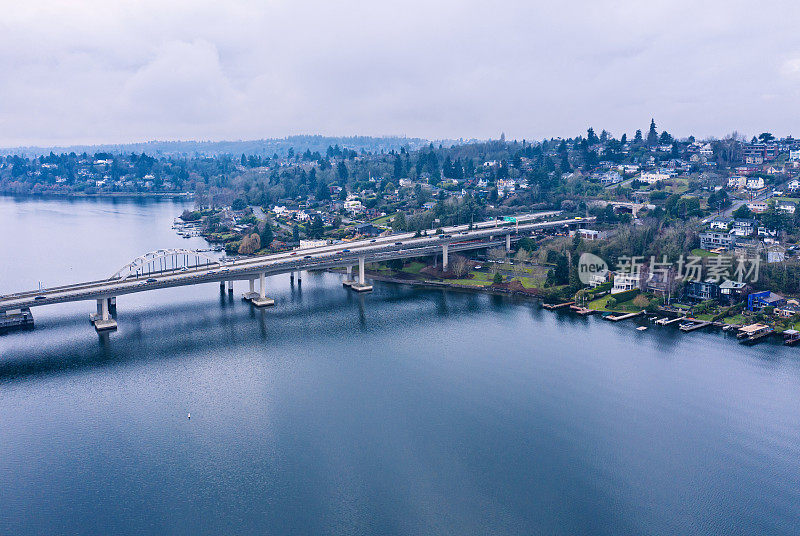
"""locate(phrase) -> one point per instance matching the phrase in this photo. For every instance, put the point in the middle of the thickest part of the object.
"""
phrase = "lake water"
(403, 411)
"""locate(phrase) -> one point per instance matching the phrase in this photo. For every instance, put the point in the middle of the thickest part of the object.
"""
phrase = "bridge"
(175, 268)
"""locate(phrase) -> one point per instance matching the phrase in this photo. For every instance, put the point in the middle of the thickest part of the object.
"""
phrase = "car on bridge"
(152, 280)
(345, 251)
(398, 243)
(40, 298)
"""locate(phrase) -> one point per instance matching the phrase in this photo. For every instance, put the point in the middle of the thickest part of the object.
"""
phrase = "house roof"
(735, 285)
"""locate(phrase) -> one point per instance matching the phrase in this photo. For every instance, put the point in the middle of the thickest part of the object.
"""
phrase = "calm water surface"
(398, 412)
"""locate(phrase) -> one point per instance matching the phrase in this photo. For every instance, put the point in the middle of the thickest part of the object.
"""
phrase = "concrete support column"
(361, 279)
(508, 242)
(104, 309)
(252, 286)
(262, 291)
(349, 273)
(230, 287)
(444, 257)
(102, 320)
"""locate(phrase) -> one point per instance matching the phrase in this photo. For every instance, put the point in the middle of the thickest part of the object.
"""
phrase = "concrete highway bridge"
(176, 268)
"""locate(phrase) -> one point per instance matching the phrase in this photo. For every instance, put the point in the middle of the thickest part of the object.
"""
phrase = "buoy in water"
(190, 415)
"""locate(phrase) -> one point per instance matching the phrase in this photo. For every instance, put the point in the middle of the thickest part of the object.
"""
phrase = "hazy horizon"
(92, 72)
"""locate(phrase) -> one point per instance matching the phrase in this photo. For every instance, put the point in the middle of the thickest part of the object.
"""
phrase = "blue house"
(758, 300)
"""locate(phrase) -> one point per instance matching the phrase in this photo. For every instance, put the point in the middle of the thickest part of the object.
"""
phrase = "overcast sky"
(110, 71)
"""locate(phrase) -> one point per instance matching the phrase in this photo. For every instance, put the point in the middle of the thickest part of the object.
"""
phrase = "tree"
(296, 233)
(742, 213)
(317, 228)
(497, 279)
(637, 138)
(766, 137)
(249, 244)
(266, 235)
(459, 265)
(399, 222)
(652, 135)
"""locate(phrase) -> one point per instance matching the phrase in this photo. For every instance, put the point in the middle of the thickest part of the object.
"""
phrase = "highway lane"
(343, 254)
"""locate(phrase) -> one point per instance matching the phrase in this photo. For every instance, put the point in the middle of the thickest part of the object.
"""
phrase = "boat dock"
(557, 305)
(582, 310)
(668, 321)
(617, 318)
(694, 324)
(16, 320)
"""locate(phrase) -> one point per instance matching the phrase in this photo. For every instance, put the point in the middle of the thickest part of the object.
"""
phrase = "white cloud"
(98, 71)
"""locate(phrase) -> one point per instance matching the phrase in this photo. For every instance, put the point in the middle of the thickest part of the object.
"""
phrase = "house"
(737, 181)
(793, 185)
(794, 155)
(406, 183)
(699, 291)
(785, 206)
(776, 253)
(758, 207)
(624, 282)
(610, 177)
(755, 183)
(367, 229)
(758, 300)
(719, 223)
(731, 292)
(744, 227)
(716, 239)
(589, 234)
(790, 309)
(652, 177)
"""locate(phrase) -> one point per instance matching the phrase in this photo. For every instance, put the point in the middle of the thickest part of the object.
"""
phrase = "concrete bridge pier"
(247, 296)
(230, 287)
(508, 243)
(348, 280)
(445, 259)
(361, 285)
(102, 319)
(262, 300)
(222, 286)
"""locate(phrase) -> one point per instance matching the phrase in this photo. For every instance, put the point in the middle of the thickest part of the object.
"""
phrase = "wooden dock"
(696, 324)
(617, 318)
(668, 321)
(582, 310)
(552, 306)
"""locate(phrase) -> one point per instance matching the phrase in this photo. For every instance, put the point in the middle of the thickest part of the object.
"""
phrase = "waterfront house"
(758, 300)
(731, 292)
(624, 282)
(699, 291)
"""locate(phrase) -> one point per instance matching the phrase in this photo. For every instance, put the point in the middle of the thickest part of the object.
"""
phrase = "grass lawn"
(738, 319)
(413, 267)
(703, 253)
(383, 220)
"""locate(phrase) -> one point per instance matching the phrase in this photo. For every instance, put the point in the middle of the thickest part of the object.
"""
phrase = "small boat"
(641, 328)
(686, 325)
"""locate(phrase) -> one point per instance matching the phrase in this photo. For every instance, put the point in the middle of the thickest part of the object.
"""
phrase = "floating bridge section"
(175, 268)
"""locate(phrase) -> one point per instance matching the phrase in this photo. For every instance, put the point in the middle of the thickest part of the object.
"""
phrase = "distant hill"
(267, 147)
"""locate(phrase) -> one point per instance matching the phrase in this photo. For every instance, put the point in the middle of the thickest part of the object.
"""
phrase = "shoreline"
(107, 195)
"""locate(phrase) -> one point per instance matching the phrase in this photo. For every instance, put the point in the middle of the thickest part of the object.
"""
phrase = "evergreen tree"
(652, 135)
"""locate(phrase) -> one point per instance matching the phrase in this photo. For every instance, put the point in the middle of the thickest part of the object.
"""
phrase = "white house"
(793, 185)
(785, 206)
(755, 183)
(737, 181)
(623, 282)
(652, 177)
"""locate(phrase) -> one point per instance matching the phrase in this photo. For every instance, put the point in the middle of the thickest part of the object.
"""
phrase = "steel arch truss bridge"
(165, 261)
